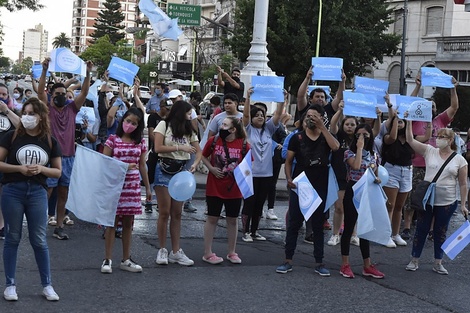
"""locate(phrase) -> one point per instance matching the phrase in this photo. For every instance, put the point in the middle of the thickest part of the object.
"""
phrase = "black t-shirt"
(28, 150)
(228, 88)
(152, 122)
(397, 153)
(5, 124)
(329, 112)
(310, 154)
(337, 157)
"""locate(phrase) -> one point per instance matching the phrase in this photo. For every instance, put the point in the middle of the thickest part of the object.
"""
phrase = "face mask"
(8, 83)
(224, 133)
(441, 143)
(366, 140)
(16, 95)
(158, 92)
(237, 79)
(4, 100)
(60, 101)
(128, 127)
(29, 121)
(310, 124)
(109, 95)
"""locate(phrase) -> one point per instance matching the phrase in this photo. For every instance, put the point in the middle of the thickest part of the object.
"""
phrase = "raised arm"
(377, 123)
(280, 107)
(220, 79)
(301, 93)
(417, 146)
(136, 90)
(80, 99)
(42, 81)
(392, 134)
(246, 108)
(415, 91)
(339, 94)
(391, 112)
(336, 119)
(454, 100)
(330, 139)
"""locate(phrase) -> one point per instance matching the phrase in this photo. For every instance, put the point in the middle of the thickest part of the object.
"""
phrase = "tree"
(109, 22)
(100, 53)
(23, 67)
(12, 5)
(61, 41)
(353, 30)
(4, 63)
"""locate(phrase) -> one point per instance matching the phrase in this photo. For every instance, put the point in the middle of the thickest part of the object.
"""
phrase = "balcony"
(453, 49)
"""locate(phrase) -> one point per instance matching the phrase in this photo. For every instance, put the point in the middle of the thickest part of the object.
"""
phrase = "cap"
(174, 93)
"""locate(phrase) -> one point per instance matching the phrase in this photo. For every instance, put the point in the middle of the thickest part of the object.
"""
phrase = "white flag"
(95, 186)
(309, 200)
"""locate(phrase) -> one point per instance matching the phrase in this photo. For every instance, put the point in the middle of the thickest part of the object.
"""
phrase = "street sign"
(187, 14)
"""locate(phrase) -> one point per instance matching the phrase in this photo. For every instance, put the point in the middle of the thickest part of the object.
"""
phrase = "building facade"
(35, 42)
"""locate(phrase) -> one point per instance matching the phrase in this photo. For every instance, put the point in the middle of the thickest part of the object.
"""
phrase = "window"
(434, 20)
(394, 79)
(398, 25)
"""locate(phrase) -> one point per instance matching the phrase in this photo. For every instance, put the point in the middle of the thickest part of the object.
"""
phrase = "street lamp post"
(317, 49)
(403, 48)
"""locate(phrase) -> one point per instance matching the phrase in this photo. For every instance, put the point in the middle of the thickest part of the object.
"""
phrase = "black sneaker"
(2, 233)
(406, 234)
(309, 239)
(431, 235)
(59, 234)
(148, 208)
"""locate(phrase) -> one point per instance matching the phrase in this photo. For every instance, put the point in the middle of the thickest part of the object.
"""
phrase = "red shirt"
(225, 187)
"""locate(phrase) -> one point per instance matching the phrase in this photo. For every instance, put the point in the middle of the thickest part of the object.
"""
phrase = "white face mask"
(441, 143)
(109, 95)
(29, 121)
(16, 95)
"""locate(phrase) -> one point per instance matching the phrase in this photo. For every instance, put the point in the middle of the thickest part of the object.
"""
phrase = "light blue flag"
(122, 70)
(92, 172)
(244, 176)
(371, 86)
(373, 222)
(458, 241)
(333, 188)
(434, 77)
(326, 88)
(418, 109)
(36, 71)
(309, 200)
(85, 113)
(359, 104)
(93, 96)
(65, 61)
(162, 25)
(327, 68)
(267, 88)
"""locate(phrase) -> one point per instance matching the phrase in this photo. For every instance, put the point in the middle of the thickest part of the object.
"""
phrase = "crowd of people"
(37, 149)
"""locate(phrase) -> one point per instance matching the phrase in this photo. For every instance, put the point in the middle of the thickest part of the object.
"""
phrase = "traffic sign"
(187, 14)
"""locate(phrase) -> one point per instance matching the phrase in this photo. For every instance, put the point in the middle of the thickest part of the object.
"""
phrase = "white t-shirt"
(214, 125)
(171, 140)
(446, 185)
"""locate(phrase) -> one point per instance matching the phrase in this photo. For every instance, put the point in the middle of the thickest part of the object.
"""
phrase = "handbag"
(171, 166)
(424, 189)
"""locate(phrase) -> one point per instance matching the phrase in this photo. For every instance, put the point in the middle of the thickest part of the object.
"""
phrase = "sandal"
(51, 221)
(68, 220)
(213, 259)
(233, 258)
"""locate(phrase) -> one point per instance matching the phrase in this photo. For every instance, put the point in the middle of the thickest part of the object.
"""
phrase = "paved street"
(252, 286)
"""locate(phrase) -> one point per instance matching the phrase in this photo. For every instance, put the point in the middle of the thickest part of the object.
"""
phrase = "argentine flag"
(162, 25)
(458, 241)
(309, 200)
(244, 176)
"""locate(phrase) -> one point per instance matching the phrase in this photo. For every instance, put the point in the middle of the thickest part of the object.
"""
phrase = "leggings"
(350, 219)
(253, 206)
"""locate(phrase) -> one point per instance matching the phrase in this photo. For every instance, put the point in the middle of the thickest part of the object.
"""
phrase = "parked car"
(27, 78)
(206, 108)
(144, 94)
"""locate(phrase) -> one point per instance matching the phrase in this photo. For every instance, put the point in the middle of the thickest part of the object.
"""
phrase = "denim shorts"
(161, 178)
(64, 179)
(399, 177)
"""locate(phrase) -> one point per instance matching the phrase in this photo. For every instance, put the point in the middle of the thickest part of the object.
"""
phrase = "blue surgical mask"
(158, 92)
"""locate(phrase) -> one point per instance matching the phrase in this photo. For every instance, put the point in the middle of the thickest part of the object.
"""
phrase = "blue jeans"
(442, 216)
(29, 199)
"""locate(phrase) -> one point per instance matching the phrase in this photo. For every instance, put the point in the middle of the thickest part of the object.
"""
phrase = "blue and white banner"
(267, 88)
(94, 171)
(162, 25)
(434, 77)
(244, 176)
(418, 109)
(85, 113)
(36, 71)
(122, 70)
(309, 200)
(371, 86)
(359, 104)
(333, 188)
(327, 68)
(65, 61)
(326, 88)
(458, 241)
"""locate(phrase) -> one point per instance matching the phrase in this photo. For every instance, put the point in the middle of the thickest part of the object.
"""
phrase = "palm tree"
(61, 41)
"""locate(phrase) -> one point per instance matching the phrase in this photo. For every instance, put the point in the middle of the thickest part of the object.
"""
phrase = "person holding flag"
(445, 199)
(222, 154)
(311, 148)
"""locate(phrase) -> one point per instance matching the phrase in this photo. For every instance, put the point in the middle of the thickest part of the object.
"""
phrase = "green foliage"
(12, 5)
(109, 22)
(4, 64)
(145, 69)
(124, 49)
(352, 30)
(61, 41)
(23, 67)
(100, 53)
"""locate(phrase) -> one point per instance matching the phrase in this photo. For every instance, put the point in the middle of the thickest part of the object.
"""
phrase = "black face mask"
(60, 100)
(401, 132)
(310, 124)
(224, 133)
(366, 141)
(237, 79)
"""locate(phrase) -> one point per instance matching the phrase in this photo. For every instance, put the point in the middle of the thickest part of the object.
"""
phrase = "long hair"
(137, 134)
(341, 127)
(254, 110)
(40, 108)
(370, 143)
(176, 119)
(239, 128)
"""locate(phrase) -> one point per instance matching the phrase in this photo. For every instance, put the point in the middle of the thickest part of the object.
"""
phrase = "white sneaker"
(247, 237)
(258, 237)
(412, 266)
(50, 294)
(355, 241)
(180, 258)
(10, 293)
(130, 266)
(398, 240)
(391, 244)
(106, 266)
(162, 257)
(270, 215)
(334, 240)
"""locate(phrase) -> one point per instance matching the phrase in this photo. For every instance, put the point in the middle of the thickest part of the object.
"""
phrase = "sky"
(56, 18)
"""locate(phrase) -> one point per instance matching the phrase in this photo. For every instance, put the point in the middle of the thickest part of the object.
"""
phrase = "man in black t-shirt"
(232, 83)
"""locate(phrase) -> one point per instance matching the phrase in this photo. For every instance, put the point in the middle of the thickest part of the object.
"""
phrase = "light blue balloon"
(383, 175)
(182, 186)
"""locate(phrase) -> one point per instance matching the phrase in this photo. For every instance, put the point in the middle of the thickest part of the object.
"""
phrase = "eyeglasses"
(442, 137)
